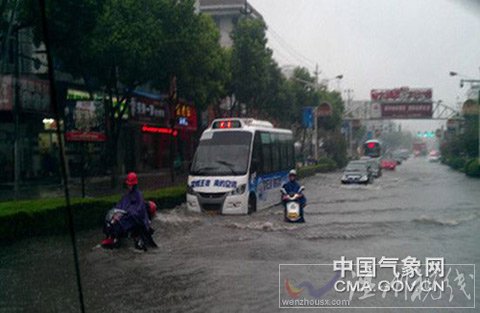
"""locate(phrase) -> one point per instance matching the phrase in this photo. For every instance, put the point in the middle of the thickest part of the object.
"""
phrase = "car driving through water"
(357, 172)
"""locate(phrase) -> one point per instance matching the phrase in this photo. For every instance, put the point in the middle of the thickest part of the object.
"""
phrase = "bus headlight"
(190, 190)
(364, 178)
(239, 190)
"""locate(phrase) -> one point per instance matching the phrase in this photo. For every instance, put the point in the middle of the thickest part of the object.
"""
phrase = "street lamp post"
(471, 82)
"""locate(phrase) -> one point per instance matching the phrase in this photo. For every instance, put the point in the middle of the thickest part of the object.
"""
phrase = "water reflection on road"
(230, 263)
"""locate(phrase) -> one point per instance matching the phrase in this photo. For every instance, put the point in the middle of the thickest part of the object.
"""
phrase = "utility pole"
(349, 93)
(16, 113)
(315, 118)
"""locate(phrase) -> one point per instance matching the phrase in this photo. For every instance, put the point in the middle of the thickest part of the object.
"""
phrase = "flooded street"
(230, 263)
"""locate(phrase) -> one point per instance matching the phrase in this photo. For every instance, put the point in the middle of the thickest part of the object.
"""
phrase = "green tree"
(250, 62)
(118, 45)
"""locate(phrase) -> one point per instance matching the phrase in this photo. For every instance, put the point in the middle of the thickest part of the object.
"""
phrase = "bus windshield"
(223, 153)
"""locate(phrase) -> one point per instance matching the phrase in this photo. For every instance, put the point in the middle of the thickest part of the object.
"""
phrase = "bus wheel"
(252, 204)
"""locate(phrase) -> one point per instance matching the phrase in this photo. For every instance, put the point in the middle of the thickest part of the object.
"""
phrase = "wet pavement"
(231, 263)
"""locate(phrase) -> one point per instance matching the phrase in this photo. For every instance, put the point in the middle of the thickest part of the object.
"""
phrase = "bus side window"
(283, 156)
(275, 152)
(290, 152)
(257, 160)
(286, 163)
(266, 152)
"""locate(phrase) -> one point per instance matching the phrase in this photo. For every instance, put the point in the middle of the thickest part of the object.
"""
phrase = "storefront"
(27, 123)
(85, 133)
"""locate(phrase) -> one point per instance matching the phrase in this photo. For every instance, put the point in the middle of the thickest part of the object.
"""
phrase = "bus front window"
(224, 153)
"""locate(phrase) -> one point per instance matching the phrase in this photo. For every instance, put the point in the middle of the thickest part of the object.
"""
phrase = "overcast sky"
(379, 43)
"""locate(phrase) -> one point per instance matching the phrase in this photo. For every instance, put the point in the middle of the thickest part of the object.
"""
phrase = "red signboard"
(324, 109)
(403, 94)
(85, 136)
(34, 94)
(6, 93)
(406, 110)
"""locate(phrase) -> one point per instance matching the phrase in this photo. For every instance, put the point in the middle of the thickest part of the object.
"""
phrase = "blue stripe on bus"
(262, 183)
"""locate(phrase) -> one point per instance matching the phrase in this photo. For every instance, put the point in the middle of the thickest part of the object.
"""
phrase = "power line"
(291, 50)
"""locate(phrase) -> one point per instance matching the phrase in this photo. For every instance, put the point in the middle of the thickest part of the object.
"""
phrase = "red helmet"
(132, 179)
(152, 208)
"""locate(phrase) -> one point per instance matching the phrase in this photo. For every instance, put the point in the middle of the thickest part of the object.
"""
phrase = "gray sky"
(379, 43)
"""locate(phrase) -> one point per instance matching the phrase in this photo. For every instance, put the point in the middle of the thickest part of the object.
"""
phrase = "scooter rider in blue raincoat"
(292, 187)
(132, 219)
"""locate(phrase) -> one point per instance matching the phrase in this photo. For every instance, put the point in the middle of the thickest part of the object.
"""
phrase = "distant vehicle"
(239, 166)
(357, 172)
(372, 148)
(404, 154)
(397, 157)
(419, 148)
(374, 164)
(388, 164)
(434, 156)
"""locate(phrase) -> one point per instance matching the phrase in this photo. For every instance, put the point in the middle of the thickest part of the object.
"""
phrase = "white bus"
(239, 166)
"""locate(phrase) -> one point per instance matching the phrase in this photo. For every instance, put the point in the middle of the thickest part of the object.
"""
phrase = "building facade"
(226, 13)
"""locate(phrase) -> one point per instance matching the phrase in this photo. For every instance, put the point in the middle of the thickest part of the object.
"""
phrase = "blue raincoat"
(293, 187)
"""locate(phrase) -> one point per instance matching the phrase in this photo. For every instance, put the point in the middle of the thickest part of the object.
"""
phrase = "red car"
(388, 164)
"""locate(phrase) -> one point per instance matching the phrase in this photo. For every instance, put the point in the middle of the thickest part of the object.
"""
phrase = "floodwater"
(231, 263)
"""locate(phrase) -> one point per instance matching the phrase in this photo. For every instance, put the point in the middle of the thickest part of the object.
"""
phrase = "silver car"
(357, 172)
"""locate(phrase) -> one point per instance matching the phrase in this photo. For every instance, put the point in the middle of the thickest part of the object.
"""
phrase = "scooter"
(293, 212)
(141, 239)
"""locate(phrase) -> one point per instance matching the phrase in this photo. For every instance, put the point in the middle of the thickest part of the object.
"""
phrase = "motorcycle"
(293, 206)
(141, 238)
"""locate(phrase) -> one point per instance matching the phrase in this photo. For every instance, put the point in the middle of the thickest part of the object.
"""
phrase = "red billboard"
(404, 102)
(34, 94)
(324, 109)
(403, 94)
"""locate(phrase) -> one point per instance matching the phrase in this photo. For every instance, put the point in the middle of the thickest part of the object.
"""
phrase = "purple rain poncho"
(137, 216)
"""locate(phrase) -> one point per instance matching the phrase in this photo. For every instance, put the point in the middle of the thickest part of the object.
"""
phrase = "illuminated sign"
(185, 116)
(148, 108)
(159, 130)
